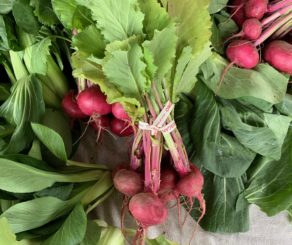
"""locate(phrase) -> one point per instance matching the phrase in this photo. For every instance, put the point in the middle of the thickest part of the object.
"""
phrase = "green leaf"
(160, 240)
(7, 236)
(219, 152)
(36, 56)
(58, 190)
(45, 13)
(92, 235)
(24, 105)
(162, 48)
(73, 229)
(90, 41)
(263, 82)
(124, 69)
(270, 181)
(217, 5)
(227, 210)
(51, 139)
(117, 20)
(156, 18)
(6, 6)
(285, 107)
(111, 235)
(33, 179)
(24, 16)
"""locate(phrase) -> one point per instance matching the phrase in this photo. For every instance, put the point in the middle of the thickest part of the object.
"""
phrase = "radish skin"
(119, 112)
(121, 128)
(256, 8)
(70, 106)
(252, 28)
(237, 11)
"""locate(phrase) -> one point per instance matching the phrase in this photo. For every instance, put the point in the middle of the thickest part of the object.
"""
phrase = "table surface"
(264, 230)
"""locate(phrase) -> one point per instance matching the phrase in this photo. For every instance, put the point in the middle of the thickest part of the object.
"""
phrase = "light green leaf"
(263, 82)
(33, 179)
(65, 11)
(217, 5)
(7, 237)
(227, 208)
(73, 229)
(117, 20)
(270, 181)
(111, 235)
(162, 48)
(161, 240)
(285, 107)
(156, 17)
(92, 235)
(6, 6)
(36, 56)
(90, 41)
(51, 139)
(124, 69)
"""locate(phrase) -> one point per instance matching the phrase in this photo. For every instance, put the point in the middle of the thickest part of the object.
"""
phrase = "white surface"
(263, 230)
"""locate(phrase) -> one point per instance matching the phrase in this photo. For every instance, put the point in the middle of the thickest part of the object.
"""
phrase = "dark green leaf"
(45, 13)
(92, 234)
(58, 190)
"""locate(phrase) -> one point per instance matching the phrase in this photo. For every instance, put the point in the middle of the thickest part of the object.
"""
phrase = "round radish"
(252, 28)
(256, 8)
(119, 112)
(128, 182)
(243, 53)
(100, 122)
(70, 106)
(279, 54)
(237, 11)
(148, 209)
(92, 101)
(120, 127)
(168, 179)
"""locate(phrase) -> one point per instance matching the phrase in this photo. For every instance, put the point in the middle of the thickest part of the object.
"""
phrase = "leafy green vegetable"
(58, 190)
(45, 13)
(161, 240)
(6, 6)
(216, 5)
(92, 235)
(73, 229)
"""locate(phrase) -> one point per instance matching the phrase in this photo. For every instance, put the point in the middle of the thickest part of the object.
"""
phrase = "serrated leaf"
(45, 13)
(162, 48)
(117, 20)
(217, 5)
(51, 139)
(73, 229)
(36, 56)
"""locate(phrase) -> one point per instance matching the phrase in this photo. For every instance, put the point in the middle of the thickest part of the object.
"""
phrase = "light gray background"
(263, 230)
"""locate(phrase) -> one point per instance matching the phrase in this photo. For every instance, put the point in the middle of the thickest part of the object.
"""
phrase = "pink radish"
(243, 53)
(237, 11)
(119, 112)
(279, 54)
(256, 8)
(70, 106)
(100, 122)
(93, 101)
(120, 127)
(168, 179)
(252, 28)
(148, 209)
(128, 182)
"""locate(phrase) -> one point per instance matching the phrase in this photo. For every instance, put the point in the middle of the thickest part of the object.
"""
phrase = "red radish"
(128, 182)
(70, 106)
(243, 53)
(119, 112)
(252, 28)
(93, 101)
(279, 54)
(237, 11)
(120, 127)
(148, 209)
(100, 122)
(168, 179)
(256, 8)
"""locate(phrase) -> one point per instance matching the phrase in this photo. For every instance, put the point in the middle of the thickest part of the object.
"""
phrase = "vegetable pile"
(201, 91)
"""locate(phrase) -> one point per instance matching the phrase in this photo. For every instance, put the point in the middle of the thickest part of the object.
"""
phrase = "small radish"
(120, 127)
(256, 8)
(70, 106)
(92, 101)
(119, 112)
(168, 179)
(243, 53)
(148, 209)
(100, 122)
(237, 11)
(252, 28)
(279, 54)
(128, 182)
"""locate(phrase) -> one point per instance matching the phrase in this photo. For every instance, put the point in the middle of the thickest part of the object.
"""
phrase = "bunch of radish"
(264, 25)
(91, 103)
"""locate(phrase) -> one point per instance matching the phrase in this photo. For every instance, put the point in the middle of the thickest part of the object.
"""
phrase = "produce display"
(200, 89)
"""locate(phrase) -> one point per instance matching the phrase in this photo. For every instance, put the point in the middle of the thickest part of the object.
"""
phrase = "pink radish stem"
(283, 30)
(137, 151)
(276, 15)
(276, 6)
(272, 29)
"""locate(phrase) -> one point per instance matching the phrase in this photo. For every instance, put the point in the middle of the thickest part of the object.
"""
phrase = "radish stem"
(279, 5)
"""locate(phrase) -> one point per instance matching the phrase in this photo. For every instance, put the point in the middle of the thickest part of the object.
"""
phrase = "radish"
(70, 106)
(93, 101)
(279, 54)
(168, 179)
(119, 112)
(128, 182)
(243, 53)
(237, 11)
(252, 28)
(256, 8)
(148, 209)
(120, 127)
(100, 122)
